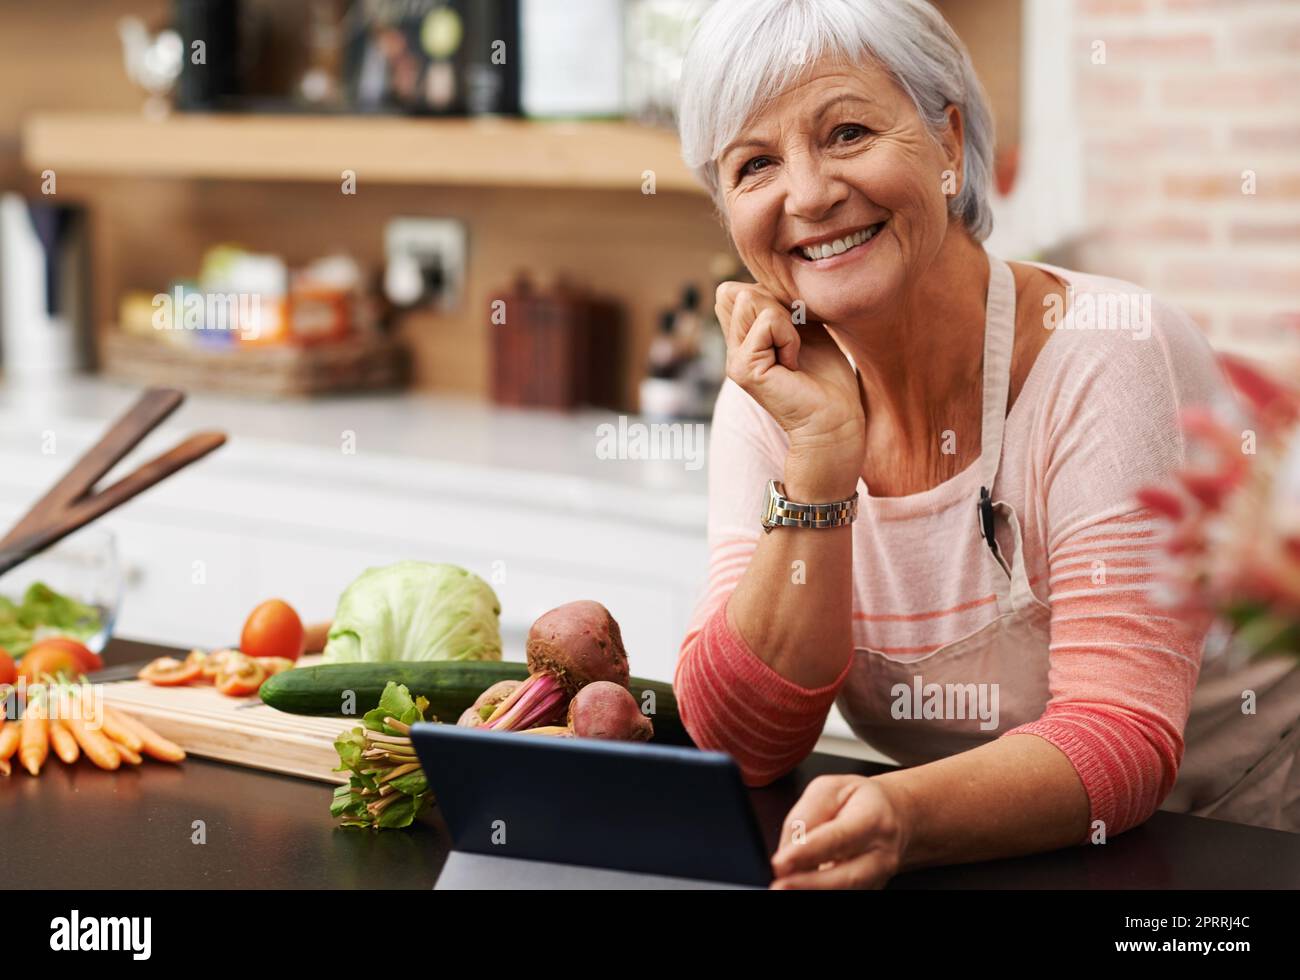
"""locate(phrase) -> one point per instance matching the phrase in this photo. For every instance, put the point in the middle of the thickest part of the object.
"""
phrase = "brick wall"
(1190, 111)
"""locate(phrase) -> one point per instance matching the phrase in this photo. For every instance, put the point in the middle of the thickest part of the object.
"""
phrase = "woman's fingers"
(820, 802)
(870, 870)
(771, 339)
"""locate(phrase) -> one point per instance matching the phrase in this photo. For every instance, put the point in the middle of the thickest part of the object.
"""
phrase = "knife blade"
(118, 672)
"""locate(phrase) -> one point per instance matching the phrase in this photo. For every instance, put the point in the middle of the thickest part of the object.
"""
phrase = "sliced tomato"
(214, 663)
(240, 676)
(275, 665)
(170, 672)
(8, 672)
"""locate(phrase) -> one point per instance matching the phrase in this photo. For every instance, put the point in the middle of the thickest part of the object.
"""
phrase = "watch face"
(769, 506)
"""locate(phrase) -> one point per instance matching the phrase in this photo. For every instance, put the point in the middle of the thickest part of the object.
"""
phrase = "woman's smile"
(837, 249)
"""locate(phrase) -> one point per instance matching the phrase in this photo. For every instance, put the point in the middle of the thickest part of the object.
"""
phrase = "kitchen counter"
(547, 457)
(80, 828)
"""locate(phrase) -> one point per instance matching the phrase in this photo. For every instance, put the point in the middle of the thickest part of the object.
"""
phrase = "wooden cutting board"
(243, 731)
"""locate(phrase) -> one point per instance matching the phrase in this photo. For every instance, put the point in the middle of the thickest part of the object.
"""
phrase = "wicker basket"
(363, 363)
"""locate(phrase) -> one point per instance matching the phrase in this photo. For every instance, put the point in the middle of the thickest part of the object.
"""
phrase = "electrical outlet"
(425, 262)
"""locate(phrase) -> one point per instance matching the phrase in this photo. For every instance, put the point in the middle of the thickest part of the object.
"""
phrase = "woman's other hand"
(845, 832)
(804, 381)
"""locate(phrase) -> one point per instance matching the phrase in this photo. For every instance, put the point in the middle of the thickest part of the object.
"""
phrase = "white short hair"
(744, 53)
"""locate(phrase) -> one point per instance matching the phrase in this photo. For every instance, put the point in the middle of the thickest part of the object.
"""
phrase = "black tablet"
(655, 809)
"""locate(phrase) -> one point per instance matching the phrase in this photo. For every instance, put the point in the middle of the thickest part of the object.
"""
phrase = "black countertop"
(79, 827)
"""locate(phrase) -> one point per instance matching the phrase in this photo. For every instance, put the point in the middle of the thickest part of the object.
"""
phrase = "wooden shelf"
(387, 149)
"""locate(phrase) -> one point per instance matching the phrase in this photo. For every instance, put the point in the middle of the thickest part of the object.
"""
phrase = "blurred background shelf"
(361, 363)
(589, 155)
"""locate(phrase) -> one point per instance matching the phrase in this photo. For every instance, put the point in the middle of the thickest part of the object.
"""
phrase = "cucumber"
(451, 686)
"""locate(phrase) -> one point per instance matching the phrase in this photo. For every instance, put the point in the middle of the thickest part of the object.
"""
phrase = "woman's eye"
(848, 134)
(753, 166)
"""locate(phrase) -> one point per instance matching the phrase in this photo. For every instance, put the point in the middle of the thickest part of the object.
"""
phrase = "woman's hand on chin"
(845, 832)
(804, 381)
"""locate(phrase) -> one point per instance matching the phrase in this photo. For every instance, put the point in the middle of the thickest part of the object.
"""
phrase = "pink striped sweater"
(1096, 418)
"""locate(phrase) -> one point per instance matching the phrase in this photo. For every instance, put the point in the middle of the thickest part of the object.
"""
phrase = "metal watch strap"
(779, 512)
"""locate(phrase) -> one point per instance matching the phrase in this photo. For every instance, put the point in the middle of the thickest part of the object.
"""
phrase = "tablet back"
(617, 805)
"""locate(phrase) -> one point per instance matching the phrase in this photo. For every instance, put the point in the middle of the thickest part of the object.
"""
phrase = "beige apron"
(1246, 772)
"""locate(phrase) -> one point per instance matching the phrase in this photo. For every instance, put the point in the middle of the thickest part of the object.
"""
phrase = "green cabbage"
(415, 610)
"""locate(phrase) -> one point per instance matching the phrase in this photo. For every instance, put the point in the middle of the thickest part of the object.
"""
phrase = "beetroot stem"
(537, 701)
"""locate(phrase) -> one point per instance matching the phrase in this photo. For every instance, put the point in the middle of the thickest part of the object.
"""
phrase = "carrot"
(128, 755)
(154, 744)
(63, 741)
(34, 742)
(119, 732)
(5, 768)
(97, 746)
(9, 736)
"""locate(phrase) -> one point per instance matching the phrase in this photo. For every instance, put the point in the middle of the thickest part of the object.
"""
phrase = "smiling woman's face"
(835, 193)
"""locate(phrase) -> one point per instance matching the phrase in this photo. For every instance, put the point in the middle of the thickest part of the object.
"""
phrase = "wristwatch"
(779, 512)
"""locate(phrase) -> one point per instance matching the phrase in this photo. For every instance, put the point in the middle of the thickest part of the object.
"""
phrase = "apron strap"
(999, 341)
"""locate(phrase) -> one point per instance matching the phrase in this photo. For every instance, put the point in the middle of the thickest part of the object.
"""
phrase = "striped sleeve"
(730, 700)
(1122, 670)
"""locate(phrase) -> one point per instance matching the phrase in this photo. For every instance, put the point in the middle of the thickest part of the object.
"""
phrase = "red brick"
(1282, 232)
(1269, 39)
(1266, 137)
(1223, 6)
(1137, 50)
(1233, 90)
(1108, 191)
(1103, 90)
(1194, 231)
(1268, 185)
(1144, 139)
(1111, 8)
(1238, 276)
(1203, 186)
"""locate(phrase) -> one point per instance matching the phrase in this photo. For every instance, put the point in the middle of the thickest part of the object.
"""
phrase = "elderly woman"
(922, 496)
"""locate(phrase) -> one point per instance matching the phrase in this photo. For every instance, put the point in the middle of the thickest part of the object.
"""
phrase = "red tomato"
(273, 629)
(8, 672)
(240, 676)
(170, 672)
(81, 655)
(48, 658)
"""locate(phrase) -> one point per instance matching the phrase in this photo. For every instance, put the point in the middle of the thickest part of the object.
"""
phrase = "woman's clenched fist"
(804, 381)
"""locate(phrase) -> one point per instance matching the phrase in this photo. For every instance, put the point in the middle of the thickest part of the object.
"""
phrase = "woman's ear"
(952, 142)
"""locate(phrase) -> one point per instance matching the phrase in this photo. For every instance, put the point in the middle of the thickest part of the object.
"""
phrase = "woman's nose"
(812, 189)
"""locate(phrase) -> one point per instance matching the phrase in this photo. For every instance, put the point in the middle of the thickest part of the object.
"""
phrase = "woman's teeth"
(841, 245)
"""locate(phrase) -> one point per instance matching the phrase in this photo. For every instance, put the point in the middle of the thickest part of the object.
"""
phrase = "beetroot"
(568, 648)
(604, 709)
(579, 643)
